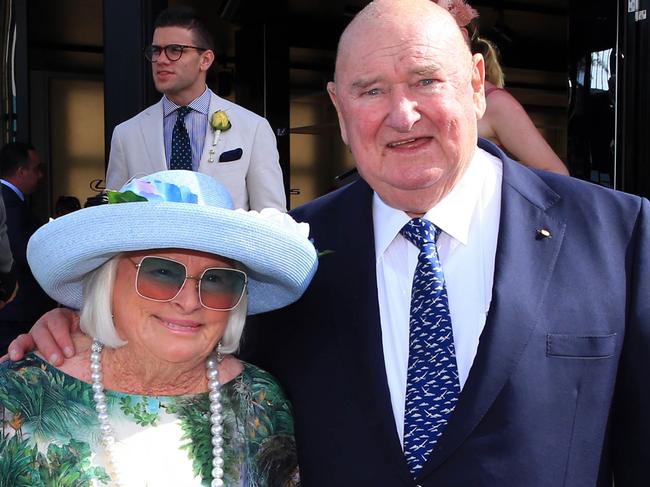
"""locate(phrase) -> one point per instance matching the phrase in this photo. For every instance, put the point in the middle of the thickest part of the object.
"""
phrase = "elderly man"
(474, 323)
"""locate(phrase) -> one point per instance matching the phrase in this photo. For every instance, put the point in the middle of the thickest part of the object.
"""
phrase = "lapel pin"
(543, 233)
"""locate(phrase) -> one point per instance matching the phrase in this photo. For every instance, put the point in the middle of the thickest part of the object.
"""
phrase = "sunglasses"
(162, 279)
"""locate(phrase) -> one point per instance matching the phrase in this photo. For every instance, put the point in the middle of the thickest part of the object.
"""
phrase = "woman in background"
(505, 122)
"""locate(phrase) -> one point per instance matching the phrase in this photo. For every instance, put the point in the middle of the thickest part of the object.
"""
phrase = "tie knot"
(182, 111)
(420, 232)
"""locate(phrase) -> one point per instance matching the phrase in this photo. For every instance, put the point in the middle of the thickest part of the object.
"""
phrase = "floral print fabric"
(50, 434)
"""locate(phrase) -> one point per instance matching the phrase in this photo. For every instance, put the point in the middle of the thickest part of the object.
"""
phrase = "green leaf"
(126, 197)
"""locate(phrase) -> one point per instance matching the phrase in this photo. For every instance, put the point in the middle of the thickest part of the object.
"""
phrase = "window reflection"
(600, 70)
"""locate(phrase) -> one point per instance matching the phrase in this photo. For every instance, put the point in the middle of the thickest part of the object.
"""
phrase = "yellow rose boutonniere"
(220, 123)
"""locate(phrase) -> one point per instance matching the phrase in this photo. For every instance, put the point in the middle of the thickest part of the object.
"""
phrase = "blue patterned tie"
(181, 157)
(432, 386)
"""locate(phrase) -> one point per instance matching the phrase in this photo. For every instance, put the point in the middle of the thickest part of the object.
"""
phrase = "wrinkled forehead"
(386, 24)
(399, 46)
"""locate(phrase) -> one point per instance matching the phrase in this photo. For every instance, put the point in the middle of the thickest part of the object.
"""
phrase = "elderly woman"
(164, 277)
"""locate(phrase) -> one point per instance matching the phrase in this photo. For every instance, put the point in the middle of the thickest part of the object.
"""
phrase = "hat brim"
(279, 263)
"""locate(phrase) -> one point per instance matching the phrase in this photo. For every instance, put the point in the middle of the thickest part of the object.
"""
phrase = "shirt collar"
(18, 192)
(200, 104)
(452, 214)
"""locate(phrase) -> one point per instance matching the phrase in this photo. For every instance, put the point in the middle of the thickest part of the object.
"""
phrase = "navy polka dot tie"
(432, 386)
(181, 157)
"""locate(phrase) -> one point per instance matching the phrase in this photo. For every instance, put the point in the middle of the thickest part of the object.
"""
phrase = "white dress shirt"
(469, 219)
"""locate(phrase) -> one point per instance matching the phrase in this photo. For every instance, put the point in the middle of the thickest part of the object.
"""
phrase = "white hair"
(96, 319)
(236, 320)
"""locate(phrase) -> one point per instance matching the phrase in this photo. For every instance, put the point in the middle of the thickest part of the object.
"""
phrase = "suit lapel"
(207, 145)
(523, 267)
(359, 332)
(152, 132)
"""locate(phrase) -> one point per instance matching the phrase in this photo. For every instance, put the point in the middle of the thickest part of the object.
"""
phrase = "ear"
(478, 84)
(207, 58)
(331, 90)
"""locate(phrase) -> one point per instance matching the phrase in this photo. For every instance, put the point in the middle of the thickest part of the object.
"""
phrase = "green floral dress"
(50, 435)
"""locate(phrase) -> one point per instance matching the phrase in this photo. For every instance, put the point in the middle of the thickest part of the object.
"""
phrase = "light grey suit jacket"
(254, 180)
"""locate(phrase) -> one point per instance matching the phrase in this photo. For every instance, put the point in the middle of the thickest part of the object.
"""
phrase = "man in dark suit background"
(7, 276)
(20, 170)
(548, 283)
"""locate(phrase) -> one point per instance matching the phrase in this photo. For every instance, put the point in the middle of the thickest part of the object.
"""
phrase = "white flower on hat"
(281, 219)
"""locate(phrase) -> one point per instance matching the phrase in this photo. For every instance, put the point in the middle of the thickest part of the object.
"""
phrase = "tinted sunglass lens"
(222, 288)
(160, 279)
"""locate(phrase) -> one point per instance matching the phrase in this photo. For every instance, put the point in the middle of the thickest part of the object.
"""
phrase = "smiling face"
(184, 79)
(177, 331)
(408, 94)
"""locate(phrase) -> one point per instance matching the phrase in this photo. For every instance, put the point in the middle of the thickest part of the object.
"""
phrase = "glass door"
(609, 103)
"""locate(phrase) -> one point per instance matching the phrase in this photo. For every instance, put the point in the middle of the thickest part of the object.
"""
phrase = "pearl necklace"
(106, 431)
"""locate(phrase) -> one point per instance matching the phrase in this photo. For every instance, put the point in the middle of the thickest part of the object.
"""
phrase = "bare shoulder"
(501, 101)
(506, 115)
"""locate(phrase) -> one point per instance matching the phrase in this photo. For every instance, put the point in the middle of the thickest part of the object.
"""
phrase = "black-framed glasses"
(162, 279)
(172, 51)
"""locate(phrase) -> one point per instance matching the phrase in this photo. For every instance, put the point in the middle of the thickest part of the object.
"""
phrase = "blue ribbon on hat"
(154, 191)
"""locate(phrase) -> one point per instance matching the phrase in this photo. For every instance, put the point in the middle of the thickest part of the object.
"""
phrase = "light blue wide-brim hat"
(183, 210)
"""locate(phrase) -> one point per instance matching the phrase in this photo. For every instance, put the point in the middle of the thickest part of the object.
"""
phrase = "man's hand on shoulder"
(51, 335)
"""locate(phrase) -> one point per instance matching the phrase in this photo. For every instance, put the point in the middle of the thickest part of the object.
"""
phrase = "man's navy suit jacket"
(31, 301)
(559, 391)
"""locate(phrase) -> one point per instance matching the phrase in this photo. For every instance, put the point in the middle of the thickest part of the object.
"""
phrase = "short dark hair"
(187, 18)
(66, 204)
(12, 156)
